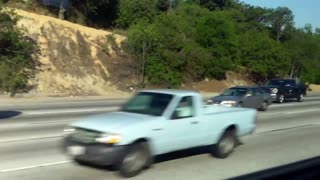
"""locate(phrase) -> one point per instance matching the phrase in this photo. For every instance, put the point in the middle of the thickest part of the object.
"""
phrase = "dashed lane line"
(33, 166)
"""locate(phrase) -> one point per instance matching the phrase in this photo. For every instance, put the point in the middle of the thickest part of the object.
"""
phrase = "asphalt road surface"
(30, 137)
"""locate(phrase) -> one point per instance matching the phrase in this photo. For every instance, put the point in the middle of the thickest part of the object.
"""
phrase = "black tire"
(281, 98)
(264, 106)
(137, 158)
(222, 149)
(300, 98)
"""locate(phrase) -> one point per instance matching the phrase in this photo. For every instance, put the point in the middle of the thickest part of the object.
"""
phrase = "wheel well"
(140, 140)
(147, 141)
(231, 128)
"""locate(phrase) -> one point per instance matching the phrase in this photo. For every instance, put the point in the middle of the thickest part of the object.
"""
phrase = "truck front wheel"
(300, 98)
(281, 98)
(137, 157)
(226, 145)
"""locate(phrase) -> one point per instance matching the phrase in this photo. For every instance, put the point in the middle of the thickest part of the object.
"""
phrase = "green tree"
(304, 50)
(217, 33)
(280, 21)
(130, 11)
(217, 4)
(263, 56)
(142, 41)
(102, 13)
(317, 32)
(174, 53)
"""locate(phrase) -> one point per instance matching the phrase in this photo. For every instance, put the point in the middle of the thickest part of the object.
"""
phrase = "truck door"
(259, 97)
(250, 99)
(183, 129)
(291, 89)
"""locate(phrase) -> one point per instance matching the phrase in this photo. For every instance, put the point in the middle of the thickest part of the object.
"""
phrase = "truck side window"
(185, 108)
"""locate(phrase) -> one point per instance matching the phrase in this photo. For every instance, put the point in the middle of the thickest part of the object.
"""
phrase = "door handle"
(194, 122)
(157, 129)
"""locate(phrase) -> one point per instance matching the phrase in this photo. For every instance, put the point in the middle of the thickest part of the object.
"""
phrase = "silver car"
(249, 97)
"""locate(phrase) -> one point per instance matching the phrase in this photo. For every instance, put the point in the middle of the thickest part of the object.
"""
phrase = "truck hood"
(227, 98)
(268, 89)
(111, 122)
(270, 86)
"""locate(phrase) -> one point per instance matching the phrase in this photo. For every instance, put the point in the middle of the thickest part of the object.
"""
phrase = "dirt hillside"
(76, 60)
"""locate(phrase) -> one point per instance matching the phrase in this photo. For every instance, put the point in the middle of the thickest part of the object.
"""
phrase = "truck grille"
(85, 135)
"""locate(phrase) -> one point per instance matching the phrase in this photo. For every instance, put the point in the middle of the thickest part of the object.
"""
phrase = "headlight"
(229, 103)
(275, 90)
(109, 138)
(68, 131)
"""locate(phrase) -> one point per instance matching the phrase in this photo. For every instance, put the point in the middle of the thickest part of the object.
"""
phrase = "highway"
(30, 137)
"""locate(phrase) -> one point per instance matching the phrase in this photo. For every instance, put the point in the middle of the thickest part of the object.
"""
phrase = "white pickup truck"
(155, 122)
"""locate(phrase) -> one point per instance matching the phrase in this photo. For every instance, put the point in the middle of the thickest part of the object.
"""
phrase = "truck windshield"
(281, 83)
(148, 103)
(235, 92)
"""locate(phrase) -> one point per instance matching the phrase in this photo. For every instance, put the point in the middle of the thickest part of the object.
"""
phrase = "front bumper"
(274, 97)
(95, 153)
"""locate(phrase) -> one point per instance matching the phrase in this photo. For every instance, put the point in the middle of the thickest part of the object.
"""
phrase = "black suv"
(283, 89)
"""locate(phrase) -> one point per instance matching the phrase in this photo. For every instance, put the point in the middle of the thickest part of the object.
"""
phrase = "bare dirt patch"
(232, 79)
(314, 88)
(77, 60)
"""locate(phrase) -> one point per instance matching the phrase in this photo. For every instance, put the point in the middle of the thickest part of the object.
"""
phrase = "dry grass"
(315, 88)
(75, 60)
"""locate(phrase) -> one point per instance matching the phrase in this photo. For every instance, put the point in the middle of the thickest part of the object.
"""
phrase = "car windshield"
(281, 83)
(148, 103)
(235, 92)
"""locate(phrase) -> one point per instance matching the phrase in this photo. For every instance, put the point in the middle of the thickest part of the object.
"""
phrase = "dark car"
(283, 89)
(249, 97)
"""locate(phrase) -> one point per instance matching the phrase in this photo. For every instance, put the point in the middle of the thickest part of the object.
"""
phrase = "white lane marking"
(285, 128)
(30, 138)
(33, 124)
(274, 105)
(105, 102)
(33, 166)
(291, 112)
(68, 111)
(51, 122)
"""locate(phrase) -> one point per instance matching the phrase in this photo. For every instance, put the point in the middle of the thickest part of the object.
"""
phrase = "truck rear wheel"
(225, 146)
(135, 160)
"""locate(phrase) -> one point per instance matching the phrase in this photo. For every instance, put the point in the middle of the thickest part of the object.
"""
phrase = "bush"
(16, 62)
